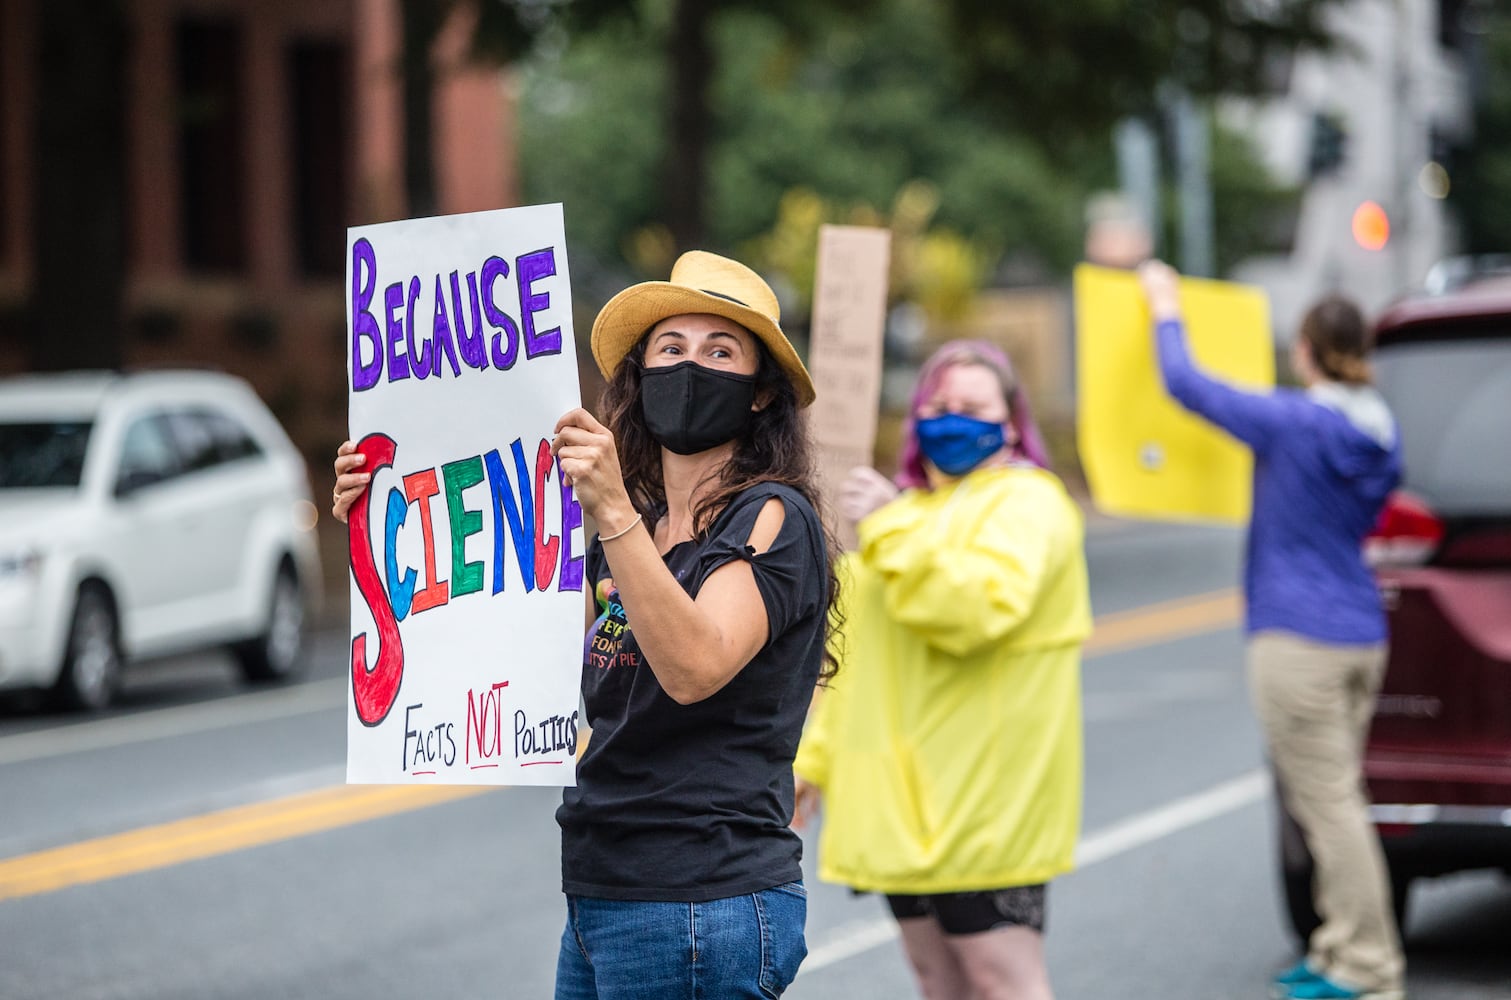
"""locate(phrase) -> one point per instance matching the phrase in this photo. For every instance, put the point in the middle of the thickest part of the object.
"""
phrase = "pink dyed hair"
(1030, 444)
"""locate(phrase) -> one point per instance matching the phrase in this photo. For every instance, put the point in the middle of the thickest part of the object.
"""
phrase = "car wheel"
(92, 659)
(1296, 868)
(276, 654)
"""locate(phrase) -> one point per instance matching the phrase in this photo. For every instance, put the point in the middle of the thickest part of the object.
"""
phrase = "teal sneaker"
(1322, 988)
(1301, 972)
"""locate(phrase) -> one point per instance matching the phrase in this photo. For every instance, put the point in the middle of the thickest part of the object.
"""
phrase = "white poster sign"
(466, 550)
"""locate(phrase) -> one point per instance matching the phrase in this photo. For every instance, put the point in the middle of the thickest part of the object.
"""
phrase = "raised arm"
(1256, 419)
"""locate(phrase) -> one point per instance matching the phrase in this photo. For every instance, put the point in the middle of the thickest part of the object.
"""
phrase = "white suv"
(146, 514)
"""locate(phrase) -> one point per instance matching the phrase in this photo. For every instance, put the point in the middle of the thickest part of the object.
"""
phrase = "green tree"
(1251, 211)
(680, 32)
(1057, 75)
(873, 105)
(1480, 173)
(883, 103)
(852, 108)
(932, 266)
(1063, 70)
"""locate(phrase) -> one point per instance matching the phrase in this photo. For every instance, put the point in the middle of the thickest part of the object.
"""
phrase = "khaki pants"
(1315, 701)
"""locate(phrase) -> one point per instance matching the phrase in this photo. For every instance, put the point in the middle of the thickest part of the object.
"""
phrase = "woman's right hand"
(589, 463)
(864, 490)
(350, 481)
(1161, 284)
(806, 799)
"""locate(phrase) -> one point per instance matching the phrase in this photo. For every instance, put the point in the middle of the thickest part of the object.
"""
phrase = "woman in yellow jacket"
(948, 749)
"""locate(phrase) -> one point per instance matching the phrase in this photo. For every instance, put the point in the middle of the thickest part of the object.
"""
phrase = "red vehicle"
(1438, 759)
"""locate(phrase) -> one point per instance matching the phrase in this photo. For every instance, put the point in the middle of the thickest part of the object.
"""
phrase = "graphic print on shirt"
(605, 639)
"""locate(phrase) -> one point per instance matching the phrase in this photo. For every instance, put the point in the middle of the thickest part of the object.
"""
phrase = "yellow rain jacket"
(948, 748)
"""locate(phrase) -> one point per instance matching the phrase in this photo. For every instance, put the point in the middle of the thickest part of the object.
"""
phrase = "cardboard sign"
(466, 549)
(1144, 455)
(845, 352)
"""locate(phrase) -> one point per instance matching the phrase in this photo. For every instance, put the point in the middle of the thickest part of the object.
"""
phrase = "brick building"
(256, 131)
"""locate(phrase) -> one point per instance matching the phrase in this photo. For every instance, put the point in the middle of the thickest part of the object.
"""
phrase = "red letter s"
(373, 691)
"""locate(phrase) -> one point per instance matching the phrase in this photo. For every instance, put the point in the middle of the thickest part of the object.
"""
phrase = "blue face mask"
(956, 444)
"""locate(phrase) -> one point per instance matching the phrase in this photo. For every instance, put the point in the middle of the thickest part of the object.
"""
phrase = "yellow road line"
(215, 833)
(1164, 622)
(261, 823)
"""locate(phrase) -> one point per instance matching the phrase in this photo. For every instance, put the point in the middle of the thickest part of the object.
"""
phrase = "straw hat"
(701, 282)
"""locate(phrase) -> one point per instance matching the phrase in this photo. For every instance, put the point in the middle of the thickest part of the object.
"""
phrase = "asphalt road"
(197, 841)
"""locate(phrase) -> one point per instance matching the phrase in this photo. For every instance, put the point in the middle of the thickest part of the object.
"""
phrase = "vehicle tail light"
(1408, 533)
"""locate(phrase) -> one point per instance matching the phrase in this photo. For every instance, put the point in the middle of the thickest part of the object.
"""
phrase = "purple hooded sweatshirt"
(1324, 462)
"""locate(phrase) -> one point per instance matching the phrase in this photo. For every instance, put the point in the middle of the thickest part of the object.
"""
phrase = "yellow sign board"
(1143, 453)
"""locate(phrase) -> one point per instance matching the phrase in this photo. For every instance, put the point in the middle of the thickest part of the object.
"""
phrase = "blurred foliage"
(938, 269)
(1065, 70)
(691, 61)
(878, 105)
(1251, 211)
(1480, 173)
(861, 121)
(590, 136)
(850, 120)
(1055, 70)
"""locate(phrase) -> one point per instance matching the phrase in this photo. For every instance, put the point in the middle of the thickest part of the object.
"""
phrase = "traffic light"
(1371, 226)
(1328, 147)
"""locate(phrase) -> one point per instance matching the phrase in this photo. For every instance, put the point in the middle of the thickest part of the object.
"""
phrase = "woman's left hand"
(590, 465)
(807, 799)
(863, 491)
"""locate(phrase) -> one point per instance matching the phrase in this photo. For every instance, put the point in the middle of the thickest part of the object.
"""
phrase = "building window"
(5, 128)
(321, 113)
(212, 122)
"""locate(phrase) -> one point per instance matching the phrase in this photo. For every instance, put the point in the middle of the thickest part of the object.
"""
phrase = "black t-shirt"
(687, 803)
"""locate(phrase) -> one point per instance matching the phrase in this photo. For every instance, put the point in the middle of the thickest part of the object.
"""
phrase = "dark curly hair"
(773, 448)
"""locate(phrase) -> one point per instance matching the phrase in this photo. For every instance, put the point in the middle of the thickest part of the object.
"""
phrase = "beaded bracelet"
(625, 529)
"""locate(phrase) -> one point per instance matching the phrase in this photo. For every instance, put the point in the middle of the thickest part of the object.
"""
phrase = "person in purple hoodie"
(1325, 458)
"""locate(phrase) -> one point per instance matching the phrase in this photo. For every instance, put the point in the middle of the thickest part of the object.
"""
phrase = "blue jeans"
(739, 947)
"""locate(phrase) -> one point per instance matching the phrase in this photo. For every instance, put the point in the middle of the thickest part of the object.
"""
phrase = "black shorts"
(975, 912)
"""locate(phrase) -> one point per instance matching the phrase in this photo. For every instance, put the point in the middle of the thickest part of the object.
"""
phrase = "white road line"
(859, 937)
(181, 720)
(1173, 817)
(847, 941)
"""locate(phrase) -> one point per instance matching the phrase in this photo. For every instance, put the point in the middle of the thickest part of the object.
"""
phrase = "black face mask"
(689, 408)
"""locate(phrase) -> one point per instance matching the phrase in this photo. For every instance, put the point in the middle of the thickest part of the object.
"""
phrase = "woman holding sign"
(1324, 461)
(710, 586)
(949, 755)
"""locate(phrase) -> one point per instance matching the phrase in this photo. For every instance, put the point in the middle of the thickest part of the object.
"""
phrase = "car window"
(147, 454)
(208, 437)
(194, 438)
(1452, 400)
(42, 453)
(232, 440)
